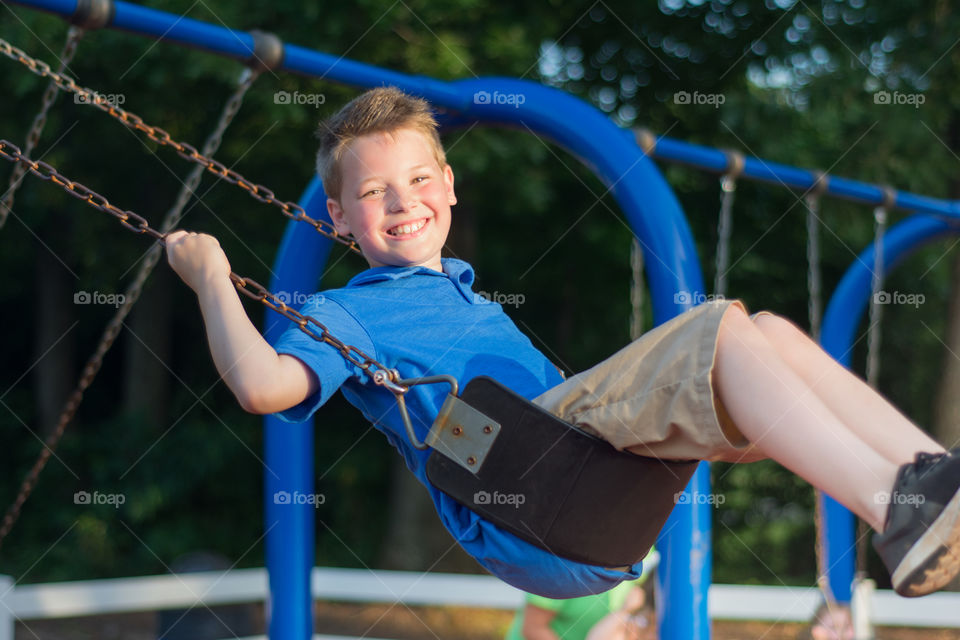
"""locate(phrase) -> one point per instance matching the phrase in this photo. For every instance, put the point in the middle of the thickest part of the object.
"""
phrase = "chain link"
(186, 151)
(39, 122)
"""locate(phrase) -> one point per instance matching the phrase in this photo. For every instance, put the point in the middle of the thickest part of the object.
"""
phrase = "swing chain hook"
(390, 378)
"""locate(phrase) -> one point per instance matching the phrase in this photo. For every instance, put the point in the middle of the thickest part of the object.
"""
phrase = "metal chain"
(39, 122)
(728, 188)
(636, 289)
(874, 334)
(814, 317)
(187, 151)
(379, 373)
(814, 280)
(876, 293)
(823, 582)
(130, 297)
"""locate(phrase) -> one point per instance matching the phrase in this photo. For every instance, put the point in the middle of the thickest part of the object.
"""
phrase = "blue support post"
(288, 448)
(838, 335)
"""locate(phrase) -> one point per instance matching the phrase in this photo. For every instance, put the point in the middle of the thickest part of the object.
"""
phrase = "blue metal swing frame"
(657, 220)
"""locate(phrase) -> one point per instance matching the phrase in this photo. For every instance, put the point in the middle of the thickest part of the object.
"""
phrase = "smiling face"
(395, 199)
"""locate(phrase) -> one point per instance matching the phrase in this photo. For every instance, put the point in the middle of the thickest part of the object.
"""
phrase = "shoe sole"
(934, 559)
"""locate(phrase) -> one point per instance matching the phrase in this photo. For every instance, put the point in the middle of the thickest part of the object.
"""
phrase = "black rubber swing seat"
(559, 488)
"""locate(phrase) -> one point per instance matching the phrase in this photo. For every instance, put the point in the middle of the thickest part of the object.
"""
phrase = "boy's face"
(395, 200)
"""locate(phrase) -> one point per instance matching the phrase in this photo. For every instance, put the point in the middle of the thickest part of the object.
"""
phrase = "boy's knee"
(778, 328)
(735, 315)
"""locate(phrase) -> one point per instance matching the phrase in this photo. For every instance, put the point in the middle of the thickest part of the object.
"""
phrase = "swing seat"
(557, 487)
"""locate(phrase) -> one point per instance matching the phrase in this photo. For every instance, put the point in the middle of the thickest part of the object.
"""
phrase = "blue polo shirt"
(424, 322)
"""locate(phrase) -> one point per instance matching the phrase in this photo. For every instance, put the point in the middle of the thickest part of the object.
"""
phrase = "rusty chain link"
(379, 373)
(39, 122)
(187, 151)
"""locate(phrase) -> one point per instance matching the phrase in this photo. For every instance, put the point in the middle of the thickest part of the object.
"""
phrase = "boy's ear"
(338, 217)
(448, 181)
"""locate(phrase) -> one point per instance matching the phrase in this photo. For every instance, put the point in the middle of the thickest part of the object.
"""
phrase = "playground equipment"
(621, 159)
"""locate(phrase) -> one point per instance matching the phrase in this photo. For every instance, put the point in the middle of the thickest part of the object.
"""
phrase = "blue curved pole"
(838, 336)
(288, 448)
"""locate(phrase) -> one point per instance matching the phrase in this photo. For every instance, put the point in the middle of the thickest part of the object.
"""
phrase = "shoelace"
(925, 460)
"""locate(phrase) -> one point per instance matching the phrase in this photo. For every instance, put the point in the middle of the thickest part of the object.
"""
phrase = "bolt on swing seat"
(545, 480)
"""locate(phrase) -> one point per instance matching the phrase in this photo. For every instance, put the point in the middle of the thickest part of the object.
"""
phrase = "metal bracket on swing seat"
(463, 434)
(460, 432)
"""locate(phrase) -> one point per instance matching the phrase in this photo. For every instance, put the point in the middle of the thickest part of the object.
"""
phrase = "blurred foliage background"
(798, 81)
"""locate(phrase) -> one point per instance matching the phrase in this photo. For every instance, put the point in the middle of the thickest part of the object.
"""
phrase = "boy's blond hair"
(382, 110)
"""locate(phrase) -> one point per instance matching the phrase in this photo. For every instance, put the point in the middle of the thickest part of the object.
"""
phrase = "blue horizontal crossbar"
(761, 170)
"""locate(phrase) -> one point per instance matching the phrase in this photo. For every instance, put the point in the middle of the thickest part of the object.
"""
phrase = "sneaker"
(920, 544)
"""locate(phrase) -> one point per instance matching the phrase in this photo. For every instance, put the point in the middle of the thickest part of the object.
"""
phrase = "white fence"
(152, 593)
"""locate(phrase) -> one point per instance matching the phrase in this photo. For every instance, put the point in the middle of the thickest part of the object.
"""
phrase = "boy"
(713, 384)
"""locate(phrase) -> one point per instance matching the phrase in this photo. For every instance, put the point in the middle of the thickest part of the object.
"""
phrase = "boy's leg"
(867, 413)
(776, 410)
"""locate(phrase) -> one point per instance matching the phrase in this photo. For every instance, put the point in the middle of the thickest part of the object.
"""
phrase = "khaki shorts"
(655, 396)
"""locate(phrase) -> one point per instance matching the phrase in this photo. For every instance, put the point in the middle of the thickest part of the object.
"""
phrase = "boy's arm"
(262, 380)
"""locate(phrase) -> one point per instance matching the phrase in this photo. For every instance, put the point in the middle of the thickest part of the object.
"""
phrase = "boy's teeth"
(407, 228)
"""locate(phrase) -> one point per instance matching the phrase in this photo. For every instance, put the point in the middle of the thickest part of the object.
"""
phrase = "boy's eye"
(371, 192)
(421, 178)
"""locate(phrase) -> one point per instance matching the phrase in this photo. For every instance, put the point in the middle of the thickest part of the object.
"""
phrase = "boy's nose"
(403, 202)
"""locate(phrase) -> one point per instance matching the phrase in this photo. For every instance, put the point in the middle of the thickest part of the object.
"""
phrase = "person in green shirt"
(607, 614)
